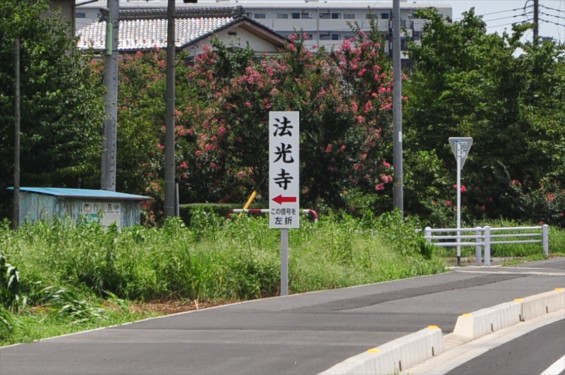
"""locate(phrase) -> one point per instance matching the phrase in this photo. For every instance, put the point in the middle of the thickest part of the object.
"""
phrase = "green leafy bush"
(9, 284)
(6, 323)
(69, 303)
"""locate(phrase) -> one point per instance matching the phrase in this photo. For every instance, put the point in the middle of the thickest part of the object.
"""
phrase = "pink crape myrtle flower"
(463, 188)
(386, 178)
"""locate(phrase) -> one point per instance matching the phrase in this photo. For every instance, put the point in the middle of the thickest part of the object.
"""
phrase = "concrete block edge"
(473, 325)
(410, 350)
(393, 356)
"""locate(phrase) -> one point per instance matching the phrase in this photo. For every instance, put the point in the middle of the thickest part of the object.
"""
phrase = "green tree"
(61, 101)
(223, 101)
(344, 99)
(506, 94)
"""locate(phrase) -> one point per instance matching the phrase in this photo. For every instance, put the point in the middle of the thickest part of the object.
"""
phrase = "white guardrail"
(482, 238)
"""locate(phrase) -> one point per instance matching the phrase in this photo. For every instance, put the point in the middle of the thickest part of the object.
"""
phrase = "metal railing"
(483, 238)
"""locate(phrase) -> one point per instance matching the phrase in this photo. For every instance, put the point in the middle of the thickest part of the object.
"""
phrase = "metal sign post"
(284, 180)
(460, 147)
(284, 262)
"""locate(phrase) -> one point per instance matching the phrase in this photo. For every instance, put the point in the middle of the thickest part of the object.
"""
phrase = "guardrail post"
(428, 234)
(487, 245)
(545, 239)
(478, 247)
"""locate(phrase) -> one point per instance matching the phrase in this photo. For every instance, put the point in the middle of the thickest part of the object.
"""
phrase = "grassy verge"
(67, 278)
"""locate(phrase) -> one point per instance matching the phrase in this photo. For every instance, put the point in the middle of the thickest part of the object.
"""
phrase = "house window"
(295, 15)
(335, 36)
(325, 36)
(80, 15)
(385, 16)
(260, 15)
(282, 16)
(349, 16)
(328, 15)
(404, 44)
(306, 15)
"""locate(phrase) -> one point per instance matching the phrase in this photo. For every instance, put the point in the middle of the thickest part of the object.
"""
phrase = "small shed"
(80, 205)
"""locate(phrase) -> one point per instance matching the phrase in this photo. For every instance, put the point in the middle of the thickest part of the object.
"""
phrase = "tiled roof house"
(146, 29)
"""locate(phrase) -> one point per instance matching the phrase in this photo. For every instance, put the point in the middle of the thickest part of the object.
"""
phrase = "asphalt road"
(297, 334)
(530, 354)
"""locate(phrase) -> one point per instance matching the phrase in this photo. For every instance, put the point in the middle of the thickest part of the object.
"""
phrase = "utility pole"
(398, 193)
(170, 114)
(109, 145)
(17, 121)
(171, 194)
(536, 21)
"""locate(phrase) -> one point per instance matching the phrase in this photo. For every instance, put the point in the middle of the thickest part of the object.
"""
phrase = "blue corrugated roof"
(83, 193)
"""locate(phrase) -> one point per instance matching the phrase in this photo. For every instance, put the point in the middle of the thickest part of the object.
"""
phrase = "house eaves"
(250, 26)
(146, 29)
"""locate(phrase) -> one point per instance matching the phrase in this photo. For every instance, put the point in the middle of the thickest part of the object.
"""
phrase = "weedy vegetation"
(60, 277)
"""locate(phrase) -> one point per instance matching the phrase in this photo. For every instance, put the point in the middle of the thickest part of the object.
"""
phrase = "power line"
(553, 23)
(550, 8)
(552, 15)
(505, 24)
(505, 11)
(504, 18)
(496, 18)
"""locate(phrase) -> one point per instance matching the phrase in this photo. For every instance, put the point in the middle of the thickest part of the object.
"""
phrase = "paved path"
(297, 334)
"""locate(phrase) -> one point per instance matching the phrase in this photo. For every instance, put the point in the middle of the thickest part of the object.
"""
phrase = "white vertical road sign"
(284, 170)
(460, 147)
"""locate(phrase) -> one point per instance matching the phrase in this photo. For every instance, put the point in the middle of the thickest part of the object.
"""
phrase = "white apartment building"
(325, 23)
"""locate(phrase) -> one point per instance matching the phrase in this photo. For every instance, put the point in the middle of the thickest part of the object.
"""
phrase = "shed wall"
(35, 207)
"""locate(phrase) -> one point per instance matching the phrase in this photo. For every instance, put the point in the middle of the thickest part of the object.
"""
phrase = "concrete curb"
(479, 323)
(543, 303)
(458, 353)
(410, 350)
(393, 356)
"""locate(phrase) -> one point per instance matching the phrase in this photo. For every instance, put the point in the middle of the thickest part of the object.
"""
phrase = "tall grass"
(556, 241)
(213, 259)
(85, 275)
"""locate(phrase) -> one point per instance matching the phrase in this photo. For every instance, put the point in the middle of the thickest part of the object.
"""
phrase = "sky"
(500, 14)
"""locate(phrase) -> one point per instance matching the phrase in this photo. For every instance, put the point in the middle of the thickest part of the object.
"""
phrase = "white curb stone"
(394, 356)
(482, 322)
(544, 303)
